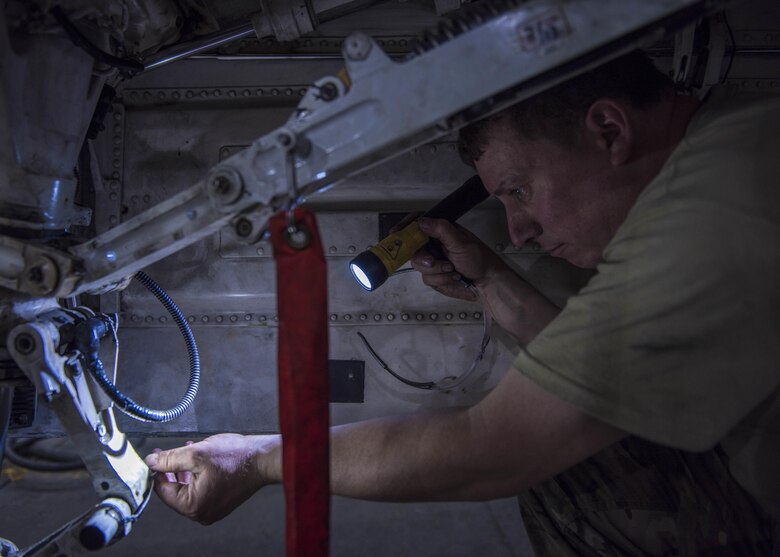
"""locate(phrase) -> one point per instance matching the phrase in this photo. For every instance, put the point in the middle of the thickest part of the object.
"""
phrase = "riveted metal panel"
(171, 125)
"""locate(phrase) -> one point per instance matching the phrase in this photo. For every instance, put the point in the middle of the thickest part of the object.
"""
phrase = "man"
(643, 417)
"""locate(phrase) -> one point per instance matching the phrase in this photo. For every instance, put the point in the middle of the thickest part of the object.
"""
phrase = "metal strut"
(516, 53)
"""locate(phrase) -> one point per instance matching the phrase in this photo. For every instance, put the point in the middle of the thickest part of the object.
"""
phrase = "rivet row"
(264, 249)
(250, 318)
(433, 150)
(756, 38)
(117, 140)
(753, 84)
(155, 96)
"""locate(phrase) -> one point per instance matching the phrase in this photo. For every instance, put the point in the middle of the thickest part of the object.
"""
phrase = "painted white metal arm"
(477, 66)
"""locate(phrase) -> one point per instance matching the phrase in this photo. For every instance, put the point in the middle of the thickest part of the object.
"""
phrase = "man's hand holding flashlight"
(468, 259)
(514, 304)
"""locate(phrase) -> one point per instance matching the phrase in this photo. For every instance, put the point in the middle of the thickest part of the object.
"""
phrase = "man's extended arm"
(517, 436)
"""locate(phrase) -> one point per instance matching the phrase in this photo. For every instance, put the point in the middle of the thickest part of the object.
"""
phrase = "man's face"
(561, 197)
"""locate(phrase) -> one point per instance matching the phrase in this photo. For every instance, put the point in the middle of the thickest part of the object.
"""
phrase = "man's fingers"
(457, 291)
(432, 267)
(170, 492)
(175, 460)
(447, 233)
(440, 279)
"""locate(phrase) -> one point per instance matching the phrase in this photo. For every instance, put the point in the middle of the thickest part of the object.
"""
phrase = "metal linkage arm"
(43, 350)
(477, 64)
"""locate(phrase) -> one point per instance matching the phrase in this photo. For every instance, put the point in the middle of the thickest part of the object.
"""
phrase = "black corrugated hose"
(128, 405)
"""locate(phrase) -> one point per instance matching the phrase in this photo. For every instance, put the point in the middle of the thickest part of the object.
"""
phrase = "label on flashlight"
(398, 248)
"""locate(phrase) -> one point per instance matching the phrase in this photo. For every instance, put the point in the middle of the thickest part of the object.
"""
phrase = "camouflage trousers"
(637, 498)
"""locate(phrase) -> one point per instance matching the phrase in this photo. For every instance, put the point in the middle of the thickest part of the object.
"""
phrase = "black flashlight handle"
(459, 202)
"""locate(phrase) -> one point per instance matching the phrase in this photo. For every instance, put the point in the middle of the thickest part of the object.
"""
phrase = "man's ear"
(608, 123)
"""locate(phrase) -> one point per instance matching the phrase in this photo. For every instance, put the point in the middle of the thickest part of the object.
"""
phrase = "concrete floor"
(33, 504)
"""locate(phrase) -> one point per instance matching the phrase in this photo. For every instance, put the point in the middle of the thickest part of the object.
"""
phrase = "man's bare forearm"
(417, 457)
(515, 305)
(517, 436)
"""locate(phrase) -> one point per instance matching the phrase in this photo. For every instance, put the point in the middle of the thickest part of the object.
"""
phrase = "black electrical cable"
(416, 384)
(82, 42)
(25, 453)
(128, 405)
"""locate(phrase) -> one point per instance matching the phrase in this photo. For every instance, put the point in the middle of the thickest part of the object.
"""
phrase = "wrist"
(267, 458)
(493, 275)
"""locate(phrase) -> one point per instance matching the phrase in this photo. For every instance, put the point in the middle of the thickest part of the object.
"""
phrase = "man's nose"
(522, 229)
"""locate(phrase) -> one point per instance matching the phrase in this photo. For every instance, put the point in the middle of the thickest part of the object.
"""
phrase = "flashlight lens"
(361, 277)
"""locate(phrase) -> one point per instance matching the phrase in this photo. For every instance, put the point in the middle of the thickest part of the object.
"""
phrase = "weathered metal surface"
(171, 125)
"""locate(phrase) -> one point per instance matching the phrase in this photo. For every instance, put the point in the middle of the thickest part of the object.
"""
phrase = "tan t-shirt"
(676, 339)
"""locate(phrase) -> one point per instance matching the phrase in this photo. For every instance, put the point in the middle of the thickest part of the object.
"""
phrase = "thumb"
(174, 460)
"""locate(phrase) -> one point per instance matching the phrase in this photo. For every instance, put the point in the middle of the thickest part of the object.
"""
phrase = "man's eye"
(521, 192)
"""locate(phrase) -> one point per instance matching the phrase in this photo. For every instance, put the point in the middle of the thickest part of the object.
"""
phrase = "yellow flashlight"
(372, 267)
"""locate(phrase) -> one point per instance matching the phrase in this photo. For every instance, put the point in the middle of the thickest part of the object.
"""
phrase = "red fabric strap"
(301, 294)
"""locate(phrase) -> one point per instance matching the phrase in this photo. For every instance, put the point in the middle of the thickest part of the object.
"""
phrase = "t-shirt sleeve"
(677, 337)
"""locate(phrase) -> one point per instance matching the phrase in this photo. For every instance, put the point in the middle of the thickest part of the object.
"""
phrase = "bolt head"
(220, 184)
(357, 46)
(328, 92)
(35, 275)
(298, 238)
(225, 186)
(244, 227)
(24, 344)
